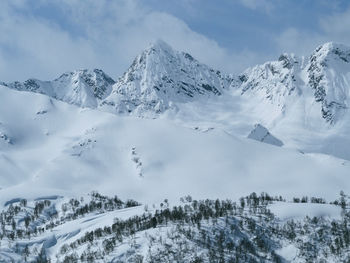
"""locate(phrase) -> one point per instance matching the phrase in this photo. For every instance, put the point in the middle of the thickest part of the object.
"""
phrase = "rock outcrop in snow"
(261, 134)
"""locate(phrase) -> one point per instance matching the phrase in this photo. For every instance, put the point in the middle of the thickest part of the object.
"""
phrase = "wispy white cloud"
(263, 5)
(109, 34)
(112, 34)
(35, 47)
(334, 27)
(337, 26)
(130, 27)
(297, 41)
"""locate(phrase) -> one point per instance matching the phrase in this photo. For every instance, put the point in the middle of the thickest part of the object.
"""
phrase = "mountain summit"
(53, 154)
(160, 77)
(83, 88)
(323, 78)
(328, 73)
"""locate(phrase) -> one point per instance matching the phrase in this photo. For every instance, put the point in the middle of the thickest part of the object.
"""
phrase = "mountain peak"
(273, 82)
(329, 46)
(160, 44)
(156, 50)
(81, 87)
(96, 81)
(161, 49)
(327, 72)
(331, 50)
(87, 72)
(161, 76)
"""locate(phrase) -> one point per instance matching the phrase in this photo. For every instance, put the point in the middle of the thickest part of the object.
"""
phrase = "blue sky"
(43, 39)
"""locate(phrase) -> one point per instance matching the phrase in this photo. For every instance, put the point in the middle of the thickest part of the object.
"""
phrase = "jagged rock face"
(98, 81)
(328, 73)
(160, 77)
(273, 81)
(82, 87)
(261, 134)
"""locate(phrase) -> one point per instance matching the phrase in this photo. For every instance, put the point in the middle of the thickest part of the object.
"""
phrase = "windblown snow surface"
(176, 135)
(73, 150)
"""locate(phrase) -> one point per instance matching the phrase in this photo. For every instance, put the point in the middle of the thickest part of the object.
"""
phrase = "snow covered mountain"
(83, 88)
(273, 81)
(325, 73)
(160, 77)
(328, 73)
(65, 138)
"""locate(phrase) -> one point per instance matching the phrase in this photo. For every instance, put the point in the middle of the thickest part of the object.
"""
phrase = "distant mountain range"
(161, 77)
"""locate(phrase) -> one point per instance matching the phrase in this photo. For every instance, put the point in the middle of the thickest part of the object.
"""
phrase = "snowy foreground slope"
(58, 148)
(59, 151)
(171, 128)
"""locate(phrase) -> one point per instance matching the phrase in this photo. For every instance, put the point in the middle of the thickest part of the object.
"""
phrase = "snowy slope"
(64, 138)
(73, 149)
(278, 95)
(302, 101)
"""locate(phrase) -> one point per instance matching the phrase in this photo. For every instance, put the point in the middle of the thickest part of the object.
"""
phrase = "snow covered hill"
(81, 132)
(47, 136)
(212, 109)
(62, 149)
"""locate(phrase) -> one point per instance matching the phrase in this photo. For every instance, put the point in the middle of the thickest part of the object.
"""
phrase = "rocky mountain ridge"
(56, 158)
(157, 79)
(83, 88)
(326, 73)
(160, 78)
